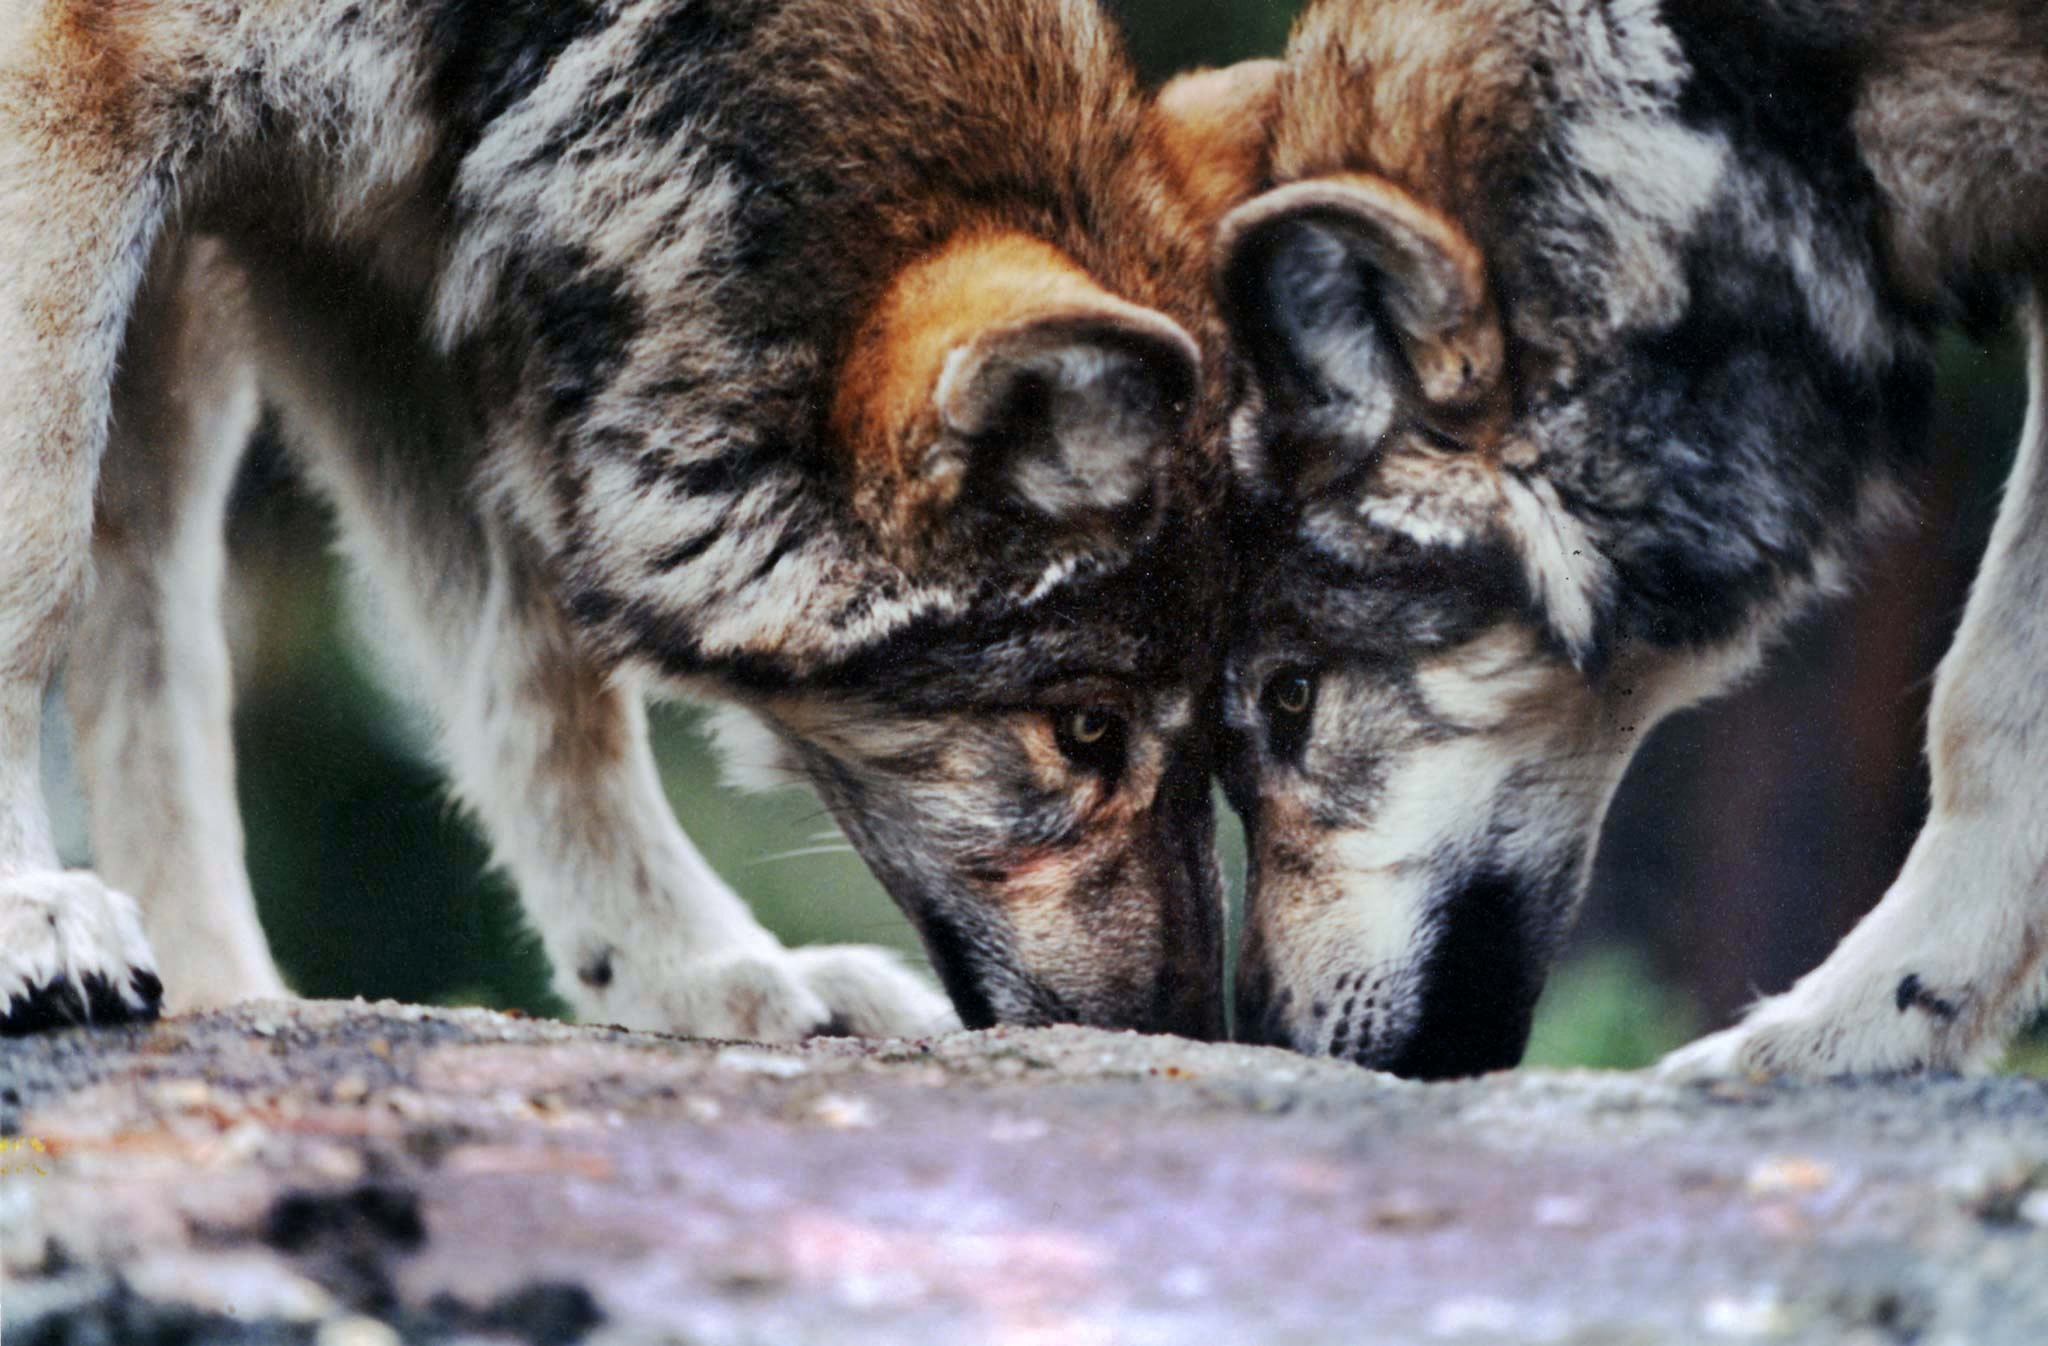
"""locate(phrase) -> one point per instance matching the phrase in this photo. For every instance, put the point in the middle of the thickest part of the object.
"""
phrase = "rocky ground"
(355, 1175)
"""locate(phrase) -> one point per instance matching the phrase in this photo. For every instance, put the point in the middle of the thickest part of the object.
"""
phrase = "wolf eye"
(1291, 694)
(1287, 702)
(1091, 738)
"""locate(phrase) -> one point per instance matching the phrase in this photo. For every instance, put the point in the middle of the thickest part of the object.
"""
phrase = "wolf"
(1583, 340)
(843, 364)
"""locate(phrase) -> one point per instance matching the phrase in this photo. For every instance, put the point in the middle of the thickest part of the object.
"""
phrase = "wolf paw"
(1890, 1030)
(872, 994)
(72, 952)
(782, 995)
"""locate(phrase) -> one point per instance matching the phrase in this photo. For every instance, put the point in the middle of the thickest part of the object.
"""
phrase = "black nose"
(1456, 1049)
(1189, 1008)
(1480, 981)
(1263, 1006)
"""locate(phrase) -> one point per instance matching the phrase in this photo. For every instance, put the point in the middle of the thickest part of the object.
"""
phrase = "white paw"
(774, 995)
(1892, 1028)
(71, 952)
(872, 994)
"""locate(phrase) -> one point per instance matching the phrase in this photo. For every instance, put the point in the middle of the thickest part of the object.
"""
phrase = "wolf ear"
(1068, 413)
(1358, 308)
(997, 373)
(1215, 127)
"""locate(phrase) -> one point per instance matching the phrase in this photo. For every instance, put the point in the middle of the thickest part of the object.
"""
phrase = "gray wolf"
(1583, 342)
(842, 363)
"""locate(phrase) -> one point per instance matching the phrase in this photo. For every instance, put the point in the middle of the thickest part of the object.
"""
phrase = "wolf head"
(906, 437)
(1569, 367)
(1025, 762)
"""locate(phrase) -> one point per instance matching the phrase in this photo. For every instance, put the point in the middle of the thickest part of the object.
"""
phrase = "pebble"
(185, 1095)
(1758, 1316)
(1788, 1175)
(755, 1061)
(845, 1113)
(1564, 1212)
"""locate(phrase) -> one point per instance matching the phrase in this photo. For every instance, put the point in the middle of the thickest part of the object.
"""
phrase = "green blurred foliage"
(1606, 1008)
(1167, 36)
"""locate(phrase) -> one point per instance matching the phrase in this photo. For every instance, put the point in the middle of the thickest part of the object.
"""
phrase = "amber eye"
(1292, 693)
(1288, 700)
(1091, 738)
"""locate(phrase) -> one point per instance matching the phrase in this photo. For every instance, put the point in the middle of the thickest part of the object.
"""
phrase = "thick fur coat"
(1582, 342)
(842, 362)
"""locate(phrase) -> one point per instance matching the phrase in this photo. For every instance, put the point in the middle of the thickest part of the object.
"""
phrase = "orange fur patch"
(884, 417)
(86, 51)
(1215, 127)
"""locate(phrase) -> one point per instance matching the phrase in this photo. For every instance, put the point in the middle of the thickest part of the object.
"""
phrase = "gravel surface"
(356, 1175)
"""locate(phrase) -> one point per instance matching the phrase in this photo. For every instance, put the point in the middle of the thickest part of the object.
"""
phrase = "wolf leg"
(543, 743)
(78, 216)
(148, 674)
(552, 754)
(1952, 960)
(554, 757)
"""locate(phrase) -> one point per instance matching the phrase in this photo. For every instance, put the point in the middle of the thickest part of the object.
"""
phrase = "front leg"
(77, 218)
(554, 756)
(1955, 957)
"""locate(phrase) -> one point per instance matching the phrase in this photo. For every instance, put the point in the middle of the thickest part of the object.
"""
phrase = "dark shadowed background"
(1749, 837)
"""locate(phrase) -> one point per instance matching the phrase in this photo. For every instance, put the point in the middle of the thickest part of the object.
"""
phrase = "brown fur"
(1428, 99)
(1216, 132)
(617, 335)
(1952, 120)
(885, 416)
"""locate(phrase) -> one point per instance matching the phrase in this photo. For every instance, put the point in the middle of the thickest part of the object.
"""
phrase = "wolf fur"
(841, 362)
(1584, 341)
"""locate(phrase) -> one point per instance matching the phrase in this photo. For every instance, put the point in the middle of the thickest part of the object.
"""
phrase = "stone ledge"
(350, 1173)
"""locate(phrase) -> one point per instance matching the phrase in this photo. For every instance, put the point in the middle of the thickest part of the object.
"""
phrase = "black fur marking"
(1913, 995)
(780, 552)
(1735, 49)
(953, 958)
(593, 607)
(493, 55)
(148, 986)
(727, 471)
(597, 971)
(1480, 981)
(1754, 430)
(838, 1026)
(680, 555)
(680, 58)
(583, 321)
(1779, 435)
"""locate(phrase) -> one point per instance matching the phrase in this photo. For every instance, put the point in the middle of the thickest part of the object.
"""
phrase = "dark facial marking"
(952, 958)
(1480, 983)
(1094, 740)
(1288, 706)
